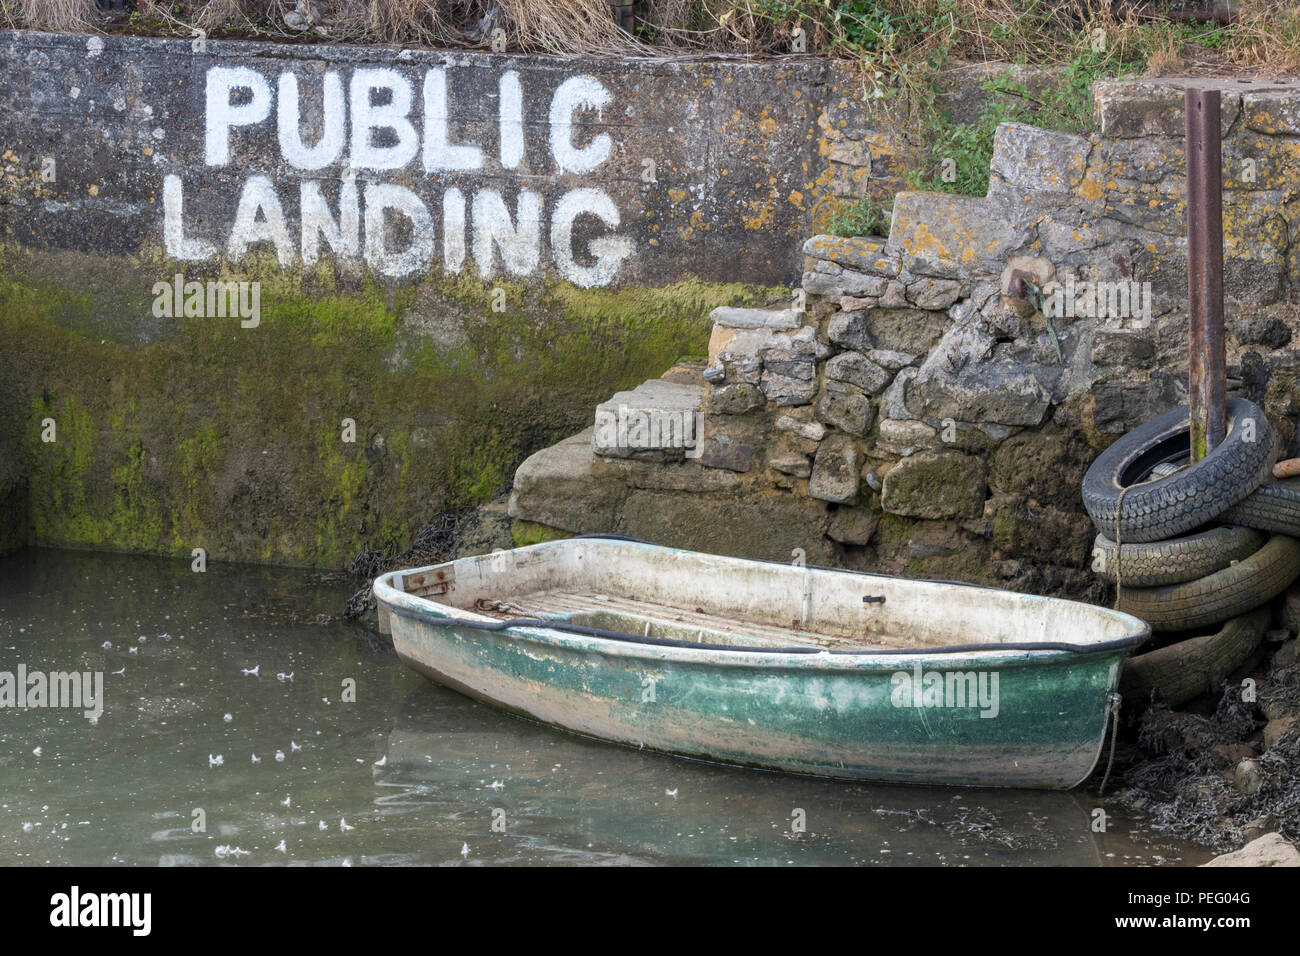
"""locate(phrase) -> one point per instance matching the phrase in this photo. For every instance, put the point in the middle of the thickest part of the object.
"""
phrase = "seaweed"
(1181, 777)
(437, 541)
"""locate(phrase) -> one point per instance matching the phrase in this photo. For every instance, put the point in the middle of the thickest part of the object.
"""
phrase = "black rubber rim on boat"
(1119, 481)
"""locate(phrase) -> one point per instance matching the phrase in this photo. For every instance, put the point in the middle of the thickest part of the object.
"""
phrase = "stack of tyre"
(1199, 542)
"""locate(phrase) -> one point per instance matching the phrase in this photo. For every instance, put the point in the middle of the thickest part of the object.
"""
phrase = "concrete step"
(556, 487)
(658, 420)
(784, 317)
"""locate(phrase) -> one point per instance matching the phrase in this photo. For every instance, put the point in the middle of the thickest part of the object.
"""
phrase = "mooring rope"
(1114, 732)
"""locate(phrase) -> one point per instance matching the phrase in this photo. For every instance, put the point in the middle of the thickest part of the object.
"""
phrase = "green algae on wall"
(174, 434)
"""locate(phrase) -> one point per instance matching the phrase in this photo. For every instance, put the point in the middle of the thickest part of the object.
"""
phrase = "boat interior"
(652, 591)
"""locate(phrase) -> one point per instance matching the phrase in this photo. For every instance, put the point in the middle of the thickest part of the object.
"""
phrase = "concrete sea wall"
(596, 171)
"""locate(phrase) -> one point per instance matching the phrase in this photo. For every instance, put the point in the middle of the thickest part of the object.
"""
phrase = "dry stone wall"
(929, 402)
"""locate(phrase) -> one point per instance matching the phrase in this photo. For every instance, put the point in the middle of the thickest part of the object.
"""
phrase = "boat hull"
(1041, 725)
(833, 723)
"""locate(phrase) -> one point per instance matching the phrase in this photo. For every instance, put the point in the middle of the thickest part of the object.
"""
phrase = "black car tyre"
(1174, 561)
(1270, 507)
(1193, 495)
(1216, 597)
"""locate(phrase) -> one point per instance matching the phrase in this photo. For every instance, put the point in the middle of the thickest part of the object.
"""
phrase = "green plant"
(863, 218)
(959, 154)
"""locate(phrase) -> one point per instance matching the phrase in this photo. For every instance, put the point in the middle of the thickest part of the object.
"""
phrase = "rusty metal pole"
(1204, 269)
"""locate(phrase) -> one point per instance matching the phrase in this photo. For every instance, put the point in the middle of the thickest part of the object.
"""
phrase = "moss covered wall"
(180, 433)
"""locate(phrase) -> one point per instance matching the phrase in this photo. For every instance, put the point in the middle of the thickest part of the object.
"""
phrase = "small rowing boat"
(784, 667)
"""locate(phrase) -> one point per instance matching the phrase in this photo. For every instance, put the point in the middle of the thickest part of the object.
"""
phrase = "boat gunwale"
(594, 640)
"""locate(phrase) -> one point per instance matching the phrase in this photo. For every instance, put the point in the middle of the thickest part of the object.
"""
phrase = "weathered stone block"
(850, 303)
(736, 318)
(934, 227)
(935, 485)
(904, 437)
(790, 363)
(810, 431)
(1273, 112)
(1047, 535)
(835, 471)
(657, 419)
(1131, 348)
(850, 330)
(997, 394)
(843, 282)
(846, 407)
(736, 343)
(915, 331)
(1266, 330)
(556, 487)
(893, 401)
(1127, 109)
(890, 360)
(1117, 407)
(796, 465)
(856, 369)
(933, 294)
(733, 399)
(1045, 467)
(854, 526)
(895, 296)
(1038, 158)
(765, 526)
(743, 369)
(787, 390)
(856, 253)
(686, 476)
(718, 453)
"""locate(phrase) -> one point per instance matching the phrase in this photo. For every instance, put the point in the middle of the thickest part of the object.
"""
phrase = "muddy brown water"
(408, 772)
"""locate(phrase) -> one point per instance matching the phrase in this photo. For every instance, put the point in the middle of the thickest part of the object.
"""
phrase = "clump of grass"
(59, 16)
(866, 217)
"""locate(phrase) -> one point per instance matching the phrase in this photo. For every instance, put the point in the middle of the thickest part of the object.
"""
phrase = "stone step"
(658, 420)
(556, 487)
(856, 253)
(942, 234)
(773, 319)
